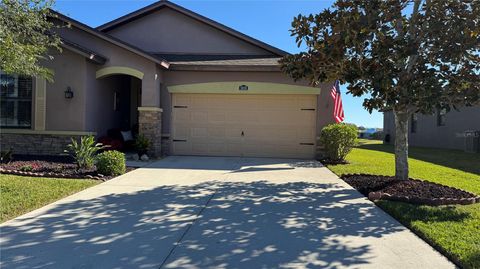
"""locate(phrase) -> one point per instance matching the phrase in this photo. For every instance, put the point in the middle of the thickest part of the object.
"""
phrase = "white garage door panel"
(272, 125)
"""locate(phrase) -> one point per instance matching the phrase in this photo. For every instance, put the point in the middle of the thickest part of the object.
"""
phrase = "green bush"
(111, 163)
(338, 140)
(142, 144)
(84, 152)
(26, 168)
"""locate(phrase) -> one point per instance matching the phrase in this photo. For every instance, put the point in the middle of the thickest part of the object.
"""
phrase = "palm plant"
(84, 152)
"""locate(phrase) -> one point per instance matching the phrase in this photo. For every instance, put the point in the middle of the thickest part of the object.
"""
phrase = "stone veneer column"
(150, 125)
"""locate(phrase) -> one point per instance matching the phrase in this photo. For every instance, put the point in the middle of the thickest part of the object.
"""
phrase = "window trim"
(39, 104)
(32, 107)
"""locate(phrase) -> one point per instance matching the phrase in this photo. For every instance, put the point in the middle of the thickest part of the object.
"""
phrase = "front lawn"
(19, 195)
(454, 230)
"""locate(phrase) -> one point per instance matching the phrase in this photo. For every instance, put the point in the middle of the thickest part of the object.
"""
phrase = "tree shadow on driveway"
(244, 225)
(292, 225)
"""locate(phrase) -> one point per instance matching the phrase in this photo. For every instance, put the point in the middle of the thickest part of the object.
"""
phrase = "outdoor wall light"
(68, 93)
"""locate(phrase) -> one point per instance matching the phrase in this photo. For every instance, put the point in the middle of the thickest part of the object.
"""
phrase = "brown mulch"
(414, 191)
(327, 161)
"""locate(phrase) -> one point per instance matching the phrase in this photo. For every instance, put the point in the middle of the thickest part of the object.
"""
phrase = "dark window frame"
(16, 101)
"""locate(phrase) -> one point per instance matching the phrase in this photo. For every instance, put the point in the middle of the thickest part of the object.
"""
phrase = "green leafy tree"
(405, 56)
(26, 37)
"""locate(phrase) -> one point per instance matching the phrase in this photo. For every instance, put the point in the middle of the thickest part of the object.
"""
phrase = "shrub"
(26, 168)
(84, 152)
(338, 140)
(111, 163)
(142, 144)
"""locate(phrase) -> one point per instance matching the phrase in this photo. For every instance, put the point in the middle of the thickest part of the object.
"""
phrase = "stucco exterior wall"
(66, 114)
(429, 134)
(118, 56)
(167, 30)
(389, 127)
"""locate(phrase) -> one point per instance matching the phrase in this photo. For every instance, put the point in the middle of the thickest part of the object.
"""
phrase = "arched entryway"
(119, 70)
(118, 98)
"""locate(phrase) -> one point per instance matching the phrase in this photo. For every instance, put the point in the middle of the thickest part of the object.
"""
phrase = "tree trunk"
(401, 145)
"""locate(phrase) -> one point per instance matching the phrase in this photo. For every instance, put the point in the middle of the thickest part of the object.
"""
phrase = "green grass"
(454, 230)
(19, 195)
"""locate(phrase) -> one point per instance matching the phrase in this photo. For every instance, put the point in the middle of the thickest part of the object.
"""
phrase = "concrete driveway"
(212, 212)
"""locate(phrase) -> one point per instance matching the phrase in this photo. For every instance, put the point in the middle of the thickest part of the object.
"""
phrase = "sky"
(266, 20)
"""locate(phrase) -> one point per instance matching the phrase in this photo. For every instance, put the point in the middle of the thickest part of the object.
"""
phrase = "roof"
(238, 62)
(186, 57)
(87, 53)
(162, 4)
(110, 39)
(221, 62)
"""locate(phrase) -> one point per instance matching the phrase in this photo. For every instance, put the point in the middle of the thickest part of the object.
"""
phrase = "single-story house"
(450, 130)
(191, 85)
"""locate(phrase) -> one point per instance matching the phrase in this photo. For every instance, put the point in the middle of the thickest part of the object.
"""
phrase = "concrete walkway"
(202, 212)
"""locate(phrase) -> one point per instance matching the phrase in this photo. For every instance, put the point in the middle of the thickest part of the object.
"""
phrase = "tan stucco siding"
(120, 57)
(169, 31)
(66, 114)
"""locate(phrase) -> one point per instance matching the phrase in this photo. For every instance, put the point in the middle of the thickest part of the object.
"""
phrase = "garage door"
(244, 125)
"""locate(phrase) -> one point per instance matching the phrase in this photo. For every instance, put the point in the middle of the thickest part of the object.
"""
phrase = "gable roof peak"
(165, 3)
(108, 38)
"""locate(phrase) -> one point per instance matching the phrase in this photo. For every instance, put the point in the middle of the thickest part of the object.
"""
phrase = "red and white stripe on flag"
(338, 114)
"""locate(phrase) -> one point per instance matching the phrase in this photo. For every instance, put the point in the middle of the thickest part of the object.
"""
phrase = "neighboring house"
(367, 132)
(189, 84)
(441, 130)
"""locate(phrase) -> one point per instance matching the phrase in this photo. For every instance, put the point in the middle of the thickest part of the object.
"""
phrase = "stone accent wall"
(35, 144)
(165, 145)
(150, 125)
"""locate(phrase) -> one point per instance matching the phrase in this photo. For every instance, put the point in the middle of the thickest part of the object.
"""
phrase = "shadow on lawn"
(245, 225)
(409, 213)
(456, 159)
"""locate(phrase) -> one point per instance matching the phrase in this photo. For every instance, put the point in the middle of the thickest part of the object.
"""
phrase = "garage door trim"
(233, 87)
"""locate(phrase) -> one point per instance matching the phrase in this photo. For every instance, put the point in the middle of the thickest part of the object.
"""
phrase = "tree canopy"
(409, 55)
(406, 56)
(26, 37)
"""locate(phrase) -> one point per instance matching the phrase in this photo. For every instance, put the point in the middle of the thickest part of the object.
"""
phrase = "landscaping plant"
(84, 152)
(26, 168)
(338, 140)
(404, 56)
(111, 163)
(142, 144)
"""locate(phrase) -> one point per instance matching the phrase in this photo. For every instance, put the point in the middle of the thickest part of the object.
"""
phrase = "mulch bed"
(412, 191)
(59, 168)
(327, 161)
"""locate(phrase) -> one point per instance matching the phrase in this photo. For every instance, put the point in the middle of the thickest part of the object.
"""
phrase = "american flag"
(337, 100)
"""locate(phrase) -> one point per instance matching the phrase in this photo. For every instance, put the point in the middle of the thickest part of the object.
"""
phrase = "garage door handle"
(243, 134)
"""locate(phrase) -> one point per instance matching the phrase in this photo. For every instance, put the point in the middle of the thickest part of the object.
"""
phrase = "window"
(441, 117)
(15, 101)
(413, 123)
